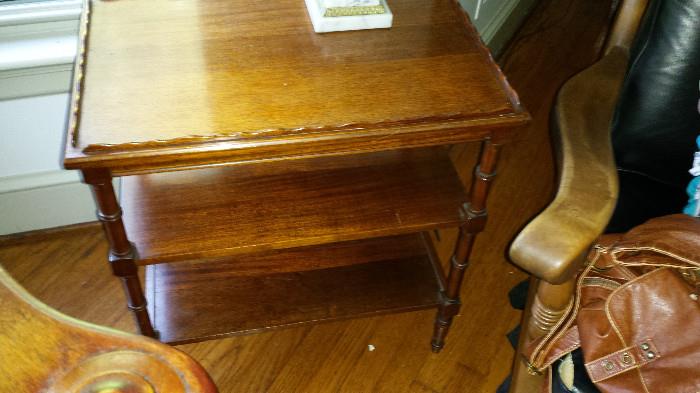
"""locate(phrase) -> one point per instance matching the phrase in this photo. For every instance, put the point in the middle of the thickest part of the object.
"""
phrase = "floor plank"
(66, 269)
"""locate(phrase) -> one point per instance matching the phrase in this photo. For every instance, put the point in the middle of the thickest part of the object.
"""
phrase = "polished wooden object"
(588, 179)
(474, 214)
(553, 246)
(282, 138)
(217, 211)
(558, 40)
(192, 301)
(214, 81)
(121, 254)
(44, 350)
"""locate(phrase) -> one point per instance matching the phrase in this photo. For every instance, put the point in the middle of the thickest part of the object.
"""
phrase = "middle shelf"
(224, 211)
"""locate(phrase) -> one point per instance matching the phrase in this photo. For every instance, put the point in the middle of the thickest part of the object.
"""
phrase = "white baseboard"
(29, 181)
(497, 20)
(43, 200)
(38, 44)
(505, 23)
(488, 32)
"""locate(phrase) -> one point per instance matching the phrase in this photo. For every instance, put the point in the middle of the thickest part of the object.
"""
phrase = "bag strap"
(544, 351)
(675, 237)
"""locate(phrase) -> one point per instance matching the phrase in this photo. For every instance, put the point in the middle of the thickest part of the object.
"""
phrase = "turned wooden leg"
(474, 221)
(121, 252)
(547, 304)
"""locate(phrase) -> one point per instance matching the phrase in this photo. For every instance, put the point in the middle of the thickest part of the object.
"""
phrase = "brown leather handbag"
(635, 313)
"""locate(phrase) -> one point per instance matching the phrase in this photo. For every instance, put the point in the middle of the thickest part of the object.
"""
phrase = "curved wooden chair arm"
(552, 244)
(627, 20)
(43, 350)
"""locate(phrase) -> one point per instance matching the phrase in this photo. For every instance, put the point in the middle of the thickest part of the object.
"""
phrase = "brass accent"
(484, 176)
(467, 212)
(645, 346)
(353, 11)
(109, 217)
(142, 307)
(627, 358)
(608, 365)
(532, 370)
(457, 265)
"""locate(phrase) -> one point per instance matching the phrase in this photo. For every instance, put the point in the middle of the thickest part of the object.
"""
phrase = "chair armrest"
(44, 350)
(553, 244)
(624, 29)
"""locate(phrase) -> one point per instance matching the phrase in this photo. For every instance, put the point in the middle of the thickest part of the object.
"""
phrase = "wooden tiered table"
(274, 176)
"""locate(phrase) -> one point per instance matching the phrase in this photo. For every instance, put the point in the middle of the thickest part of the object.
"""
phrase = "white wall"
(32, 129)
(37, 47)
(35, 192)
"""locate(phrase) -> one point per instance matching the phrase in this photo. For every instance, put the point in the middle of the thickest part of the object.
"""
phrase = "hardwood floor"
(66, 269)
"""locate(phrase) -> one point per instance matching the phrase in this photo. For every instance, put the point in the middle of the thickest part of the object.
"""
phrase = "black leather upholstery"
(656, 120)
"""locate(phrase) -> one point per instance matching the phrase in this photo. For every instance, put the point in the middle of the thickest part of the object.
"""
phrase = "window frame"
(38, 45)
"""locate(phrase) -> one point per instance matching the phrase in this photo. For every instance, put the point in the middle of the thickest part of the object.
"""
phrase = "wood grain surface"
(559, 39)
(232, 210)
(196, 301)
(219, 77)
(424, 82)
(43, 350)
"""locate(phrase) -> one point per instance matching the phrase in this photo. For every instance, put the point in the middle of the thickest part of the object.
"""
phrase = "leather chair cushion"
(656, 120)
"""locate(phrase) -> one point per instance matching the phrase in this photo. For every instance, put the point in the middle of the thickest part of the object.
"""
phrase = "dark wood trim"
(474, 215)
(122, 256)
(159, 156)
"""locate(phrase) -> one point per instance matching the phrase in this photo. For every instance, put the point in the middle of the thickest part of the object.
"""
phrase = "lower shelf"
(196, 301)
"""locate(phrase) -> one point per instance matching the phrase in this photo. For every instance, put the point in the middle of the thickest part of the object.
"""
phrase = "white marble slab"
(324, 24)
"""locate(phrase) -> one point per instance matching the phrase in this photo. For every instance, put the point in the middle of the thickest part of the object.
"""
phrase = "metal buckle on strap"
(531, 369)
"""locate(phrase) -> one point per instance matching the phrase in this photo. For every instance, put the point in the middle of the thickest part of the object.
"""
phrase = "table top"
(165, 84)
